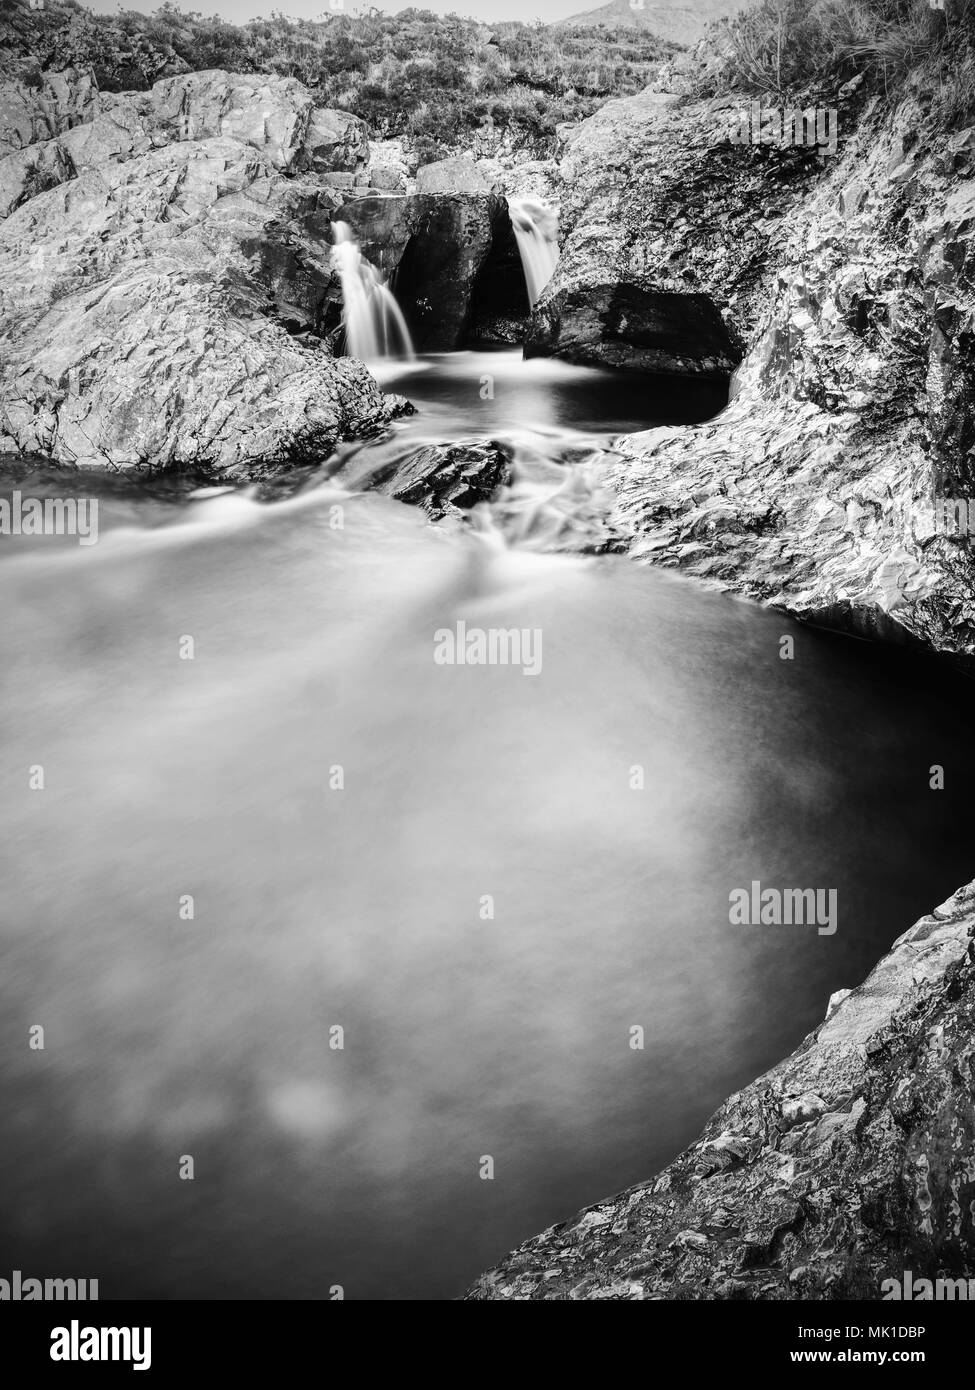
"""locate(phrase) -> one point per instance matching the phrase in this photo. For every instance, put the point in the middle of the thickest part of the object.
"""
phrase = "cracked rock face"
(444, 479)
(141, 326)
(845, 1166)
(848, 283)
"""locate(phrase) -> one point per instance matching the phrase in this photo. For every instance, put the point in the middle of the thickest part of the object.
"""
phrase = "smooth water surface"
(363, 907)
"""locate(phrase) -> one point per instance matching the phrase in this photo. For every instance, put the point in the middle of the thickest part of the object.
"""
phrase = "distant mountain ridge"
(668, 19)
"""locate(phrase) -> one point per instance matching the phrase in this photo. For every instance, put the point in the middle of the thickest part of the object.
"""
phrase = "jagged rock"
(835, 1000)
(626, 327)
(147, 300)
(335, 140)
(30, 114)
(874, 1175)
(849, 284)
(443, 479)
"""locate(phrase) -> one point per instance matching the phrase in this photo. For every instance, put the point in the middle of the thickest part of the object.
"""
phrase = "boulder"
(335, 140)
(449, 477)
(458, 174)
(626, 326)
(148, 298)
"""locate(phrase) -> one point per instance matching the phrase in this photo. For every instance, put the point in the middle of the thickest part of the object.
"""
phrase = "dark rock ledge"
(847, 1164)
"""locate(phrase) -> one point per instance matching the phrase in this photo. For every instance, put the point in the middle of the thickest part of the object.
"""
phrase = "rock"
(388, 180)
(626, 327)
(799, 1110)
(848, 295)
(835, 1000)
(32, 170)
(442, 479)
(148, 297)
(885, 1176)
(30, 114)
(458, 174)
(437, 247)
(849, 287)
(334, 140)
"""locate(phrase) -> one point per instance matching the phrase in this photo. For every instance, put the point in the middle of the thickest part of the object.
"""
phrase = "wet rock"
(432, 248)
(627, 327)
(451, 477)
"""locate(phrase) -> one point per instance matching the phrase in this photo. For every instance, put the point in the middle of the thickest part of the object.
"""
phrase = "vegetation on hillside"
(432, 79)
(787, 46)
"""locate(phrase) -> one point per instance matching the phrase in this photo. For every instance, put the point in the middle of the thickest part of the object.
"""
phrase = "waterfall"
(374, 323)
(536, 232)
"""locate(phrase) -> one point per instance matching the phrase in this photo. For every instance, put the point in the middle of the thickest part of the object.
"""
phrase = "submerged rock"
(143, 299)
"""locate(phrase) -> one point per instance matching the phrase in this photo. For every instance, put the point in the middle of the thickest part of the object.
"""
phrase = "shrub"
(415, 74)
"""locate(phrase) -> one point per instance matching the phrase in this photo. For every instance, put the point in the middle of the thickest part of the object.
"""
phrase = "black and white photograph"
(487, 736)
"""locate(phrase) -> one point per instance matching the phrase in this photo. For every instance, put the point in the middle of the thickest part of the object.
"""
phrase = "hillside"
(437, 82)
(670, 20)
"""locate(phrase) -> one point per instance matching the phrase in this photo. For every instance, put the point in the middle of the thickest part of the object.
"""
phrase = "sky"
(239, 11)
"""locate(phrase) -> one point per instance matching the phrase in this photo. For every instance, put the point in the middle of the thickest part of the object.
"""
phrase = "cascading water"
(374, 323)
(536, 232)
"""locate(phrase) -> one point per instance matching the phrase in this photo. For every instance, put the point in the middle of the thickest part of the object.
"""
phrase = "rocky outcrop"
(847, 282)
(633, 329)
(845, 1166)
(32, 113)
(433, 248)
(656, 200)
(142, 323)
(443, 479)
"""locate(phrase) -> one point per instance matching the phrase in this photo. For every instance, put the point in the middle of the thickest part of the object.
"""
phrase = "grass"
(782, 47)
